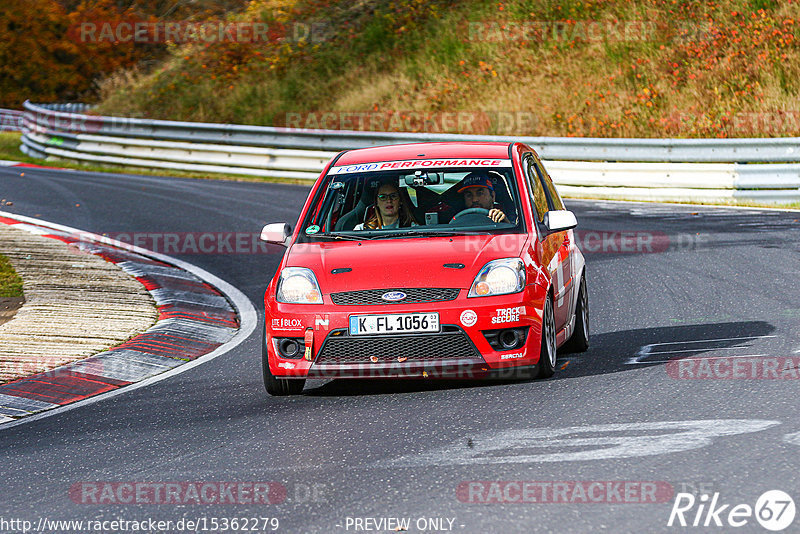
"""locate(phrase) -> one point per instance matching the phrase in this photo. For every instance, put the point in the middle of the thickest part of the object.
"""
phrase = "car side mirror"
(560, 220)
(278, 233)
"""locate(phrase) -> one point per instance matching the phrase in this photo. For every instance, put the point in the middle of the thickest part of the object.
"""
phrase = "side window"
(552, 194)
(538, 197)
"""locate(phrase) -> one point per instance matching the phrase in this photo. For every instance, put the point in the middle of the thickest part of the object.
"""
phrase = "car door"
(554, 246)
(566, 257)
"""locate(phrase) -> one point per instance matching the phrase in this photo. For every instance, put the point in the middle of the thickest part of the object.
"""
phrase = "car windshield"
(378, 200)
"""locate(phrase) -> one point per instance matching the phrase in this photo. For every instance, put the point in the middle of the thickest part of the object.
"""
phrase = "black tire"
(278, 387)
(548, 353)
(579, 341)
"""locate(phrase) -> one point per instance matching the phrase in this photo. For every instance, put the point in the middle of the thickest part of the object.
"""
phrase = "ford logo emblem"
(393, 296)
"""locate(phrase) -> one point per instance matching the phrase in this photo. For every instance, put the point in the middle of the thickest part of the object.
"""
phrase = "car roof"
(425, 151)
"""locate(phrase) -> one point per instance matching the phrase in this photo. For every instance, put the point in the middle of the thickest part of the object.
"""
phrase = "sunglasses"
(388, 196)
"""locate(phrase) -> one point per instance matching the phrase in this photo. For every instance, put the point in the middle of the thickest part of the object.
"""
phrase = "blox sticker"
(281, 323)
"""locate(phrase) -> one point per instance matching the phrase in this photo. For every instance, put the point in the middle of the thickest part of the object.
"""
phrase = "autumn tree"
(45, 58)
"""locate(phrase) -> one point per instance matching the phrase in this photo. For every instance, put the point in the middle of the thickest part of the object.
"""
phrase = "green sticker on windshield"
(313, 229)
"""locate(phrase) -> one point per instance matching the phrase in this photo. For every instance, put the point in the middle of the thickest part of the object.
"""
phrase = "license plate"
(397, 323)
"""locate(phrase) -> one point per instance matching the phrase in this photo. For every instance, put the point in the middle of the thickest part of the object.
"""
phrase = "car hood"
(402, 263)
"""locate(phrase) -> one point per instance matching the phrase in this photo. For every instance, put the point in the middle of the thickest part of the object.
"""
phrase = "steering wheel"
(478, 214)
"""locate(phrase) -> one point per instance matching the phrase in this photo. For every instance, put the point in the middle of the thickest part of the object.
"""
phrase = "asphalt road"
(715, 285)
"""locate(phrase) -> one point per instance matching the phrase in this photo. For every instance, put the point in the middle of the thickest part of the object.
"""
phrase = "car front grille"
(449, 344)
(413, 296)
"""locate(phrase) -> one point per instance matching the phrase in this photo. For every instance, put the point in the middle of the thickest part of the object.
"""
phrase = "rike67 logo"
(774, 510)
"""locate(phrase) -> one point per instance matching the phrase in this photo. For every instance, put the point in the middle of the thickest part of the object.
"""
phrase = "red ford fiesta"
(425, 260)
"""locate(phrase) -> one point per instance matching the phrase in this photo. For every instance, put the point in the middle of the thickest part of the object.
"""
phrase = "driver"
(478, 192)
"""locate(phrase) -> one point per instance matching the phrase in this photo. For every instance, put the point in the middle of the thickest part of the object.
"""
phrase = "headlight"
(499, 277)
(298, 285)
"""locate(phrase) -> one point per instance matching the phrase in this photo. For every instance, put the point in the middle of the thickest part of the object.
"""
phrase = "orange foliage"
(41, 59)
(44, 59)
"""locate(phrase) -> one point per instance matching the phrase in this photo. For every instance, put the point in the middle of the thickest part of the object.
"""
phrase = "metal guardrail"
(626, 168)
(10, 120)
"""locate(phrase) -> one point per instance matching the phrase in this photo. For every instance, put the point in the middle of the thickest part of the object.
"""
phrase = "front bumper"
(445, 352)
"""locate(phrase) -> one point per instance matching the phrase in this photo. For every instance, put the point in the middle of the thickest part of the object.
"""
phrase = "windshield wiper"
(340, 235)
(427, 233)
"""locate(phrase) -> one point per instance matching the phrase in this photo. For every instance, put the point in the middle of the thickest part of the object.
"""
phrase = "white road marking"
(614, 442)
(709, 340)
(706, 358)
(647, 350)
(794, 438)
(693, 350)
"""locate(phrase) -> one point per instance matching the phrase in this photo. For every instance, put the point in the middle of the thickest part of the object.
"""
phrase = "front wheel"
(579, 341)
(547, 353)
(275, 386)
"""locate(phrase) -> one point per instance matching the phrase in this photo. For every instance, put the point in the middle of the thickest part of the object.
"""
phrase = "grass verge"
(10, 282)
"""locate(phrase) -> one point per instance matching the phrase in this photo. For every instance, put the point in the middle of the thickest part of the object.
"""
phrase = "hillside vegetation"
(609, 68)
(44, 59)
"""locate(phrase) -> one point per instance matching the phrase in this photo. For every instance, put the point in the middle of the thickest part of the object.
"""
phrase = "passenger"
(390, 212)
(478, 192)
